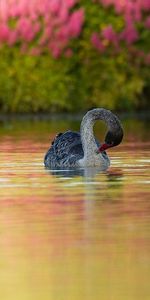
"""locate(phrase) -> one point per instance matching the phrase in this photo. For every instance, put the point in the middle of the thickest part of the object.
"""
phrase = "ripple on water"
(72, 234)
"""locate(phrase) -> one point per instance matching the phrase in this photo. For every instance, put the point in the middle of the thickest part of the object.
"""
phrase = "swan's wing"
(67, 143)
(66, 149)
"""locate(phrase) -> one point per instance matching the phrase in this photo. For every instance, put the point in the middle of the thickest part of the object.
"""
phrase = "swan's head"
(112, 139)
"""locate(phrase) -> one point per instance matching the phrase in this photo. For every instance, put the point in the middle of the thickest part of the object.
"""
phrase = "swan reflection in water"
(89, 173)
(77, 172)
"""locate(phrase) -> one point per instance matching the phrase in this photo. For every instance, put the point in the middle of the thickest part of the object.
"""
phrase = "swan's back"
(65, 151)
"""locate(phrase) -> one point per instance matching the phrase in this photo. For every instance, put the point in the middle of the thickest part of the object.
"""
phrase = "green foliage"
(32, 83)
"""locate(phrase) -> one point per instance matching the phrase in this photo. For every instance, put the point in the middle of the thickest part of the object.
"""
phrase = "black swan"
(73, 149)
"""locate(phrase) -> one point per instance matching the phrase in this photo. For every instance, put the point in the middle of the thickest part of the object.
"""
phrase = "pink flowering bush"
(74, 54)
(37, 24)
(135, 16)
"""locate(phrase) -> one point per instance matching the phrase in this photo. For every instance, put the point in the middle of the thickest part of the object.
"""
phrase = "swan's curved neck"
(86, 130)
(87, 136)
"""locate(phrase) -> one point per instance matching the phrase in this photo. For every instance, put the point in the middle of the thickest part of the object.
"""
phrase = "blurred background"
(78, 234)
(68, 55)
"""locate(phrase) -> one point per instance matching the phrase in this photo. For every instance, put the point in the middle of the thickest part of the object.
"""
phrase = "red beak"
(104, 147)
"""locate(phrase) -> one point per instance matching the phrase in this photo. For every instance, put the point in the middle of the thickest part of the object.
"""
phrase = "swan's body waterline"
(72, 149)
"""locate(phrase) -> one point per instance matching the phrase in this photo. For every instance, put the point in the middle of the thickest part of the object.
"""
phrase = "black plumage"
(66, 149)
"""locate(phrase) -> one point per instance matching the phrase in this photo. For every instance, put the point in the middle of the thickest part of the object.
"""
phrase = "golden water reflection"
(73, 236)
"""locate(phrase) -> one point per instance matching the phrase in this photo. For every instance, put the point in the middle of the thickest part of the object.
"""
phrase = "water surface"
(73, 235)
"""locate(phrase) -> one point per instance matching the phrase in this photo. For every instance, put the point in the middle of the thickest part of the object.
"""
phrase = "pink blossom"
(53, 23)
(63, 33)
(55, 6)
(145, 4)
(129, 34)
(3, 10)
(36, 27)
(52, 18)
(46, 36)
(109, 34)
(55, 49)
(12, 38)
(70, 3)
(4, 32)
(128, 7)
(137, 12)
(75, 22)
(97, 42)
(25, 29)
(63, 14)
(14, 11)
